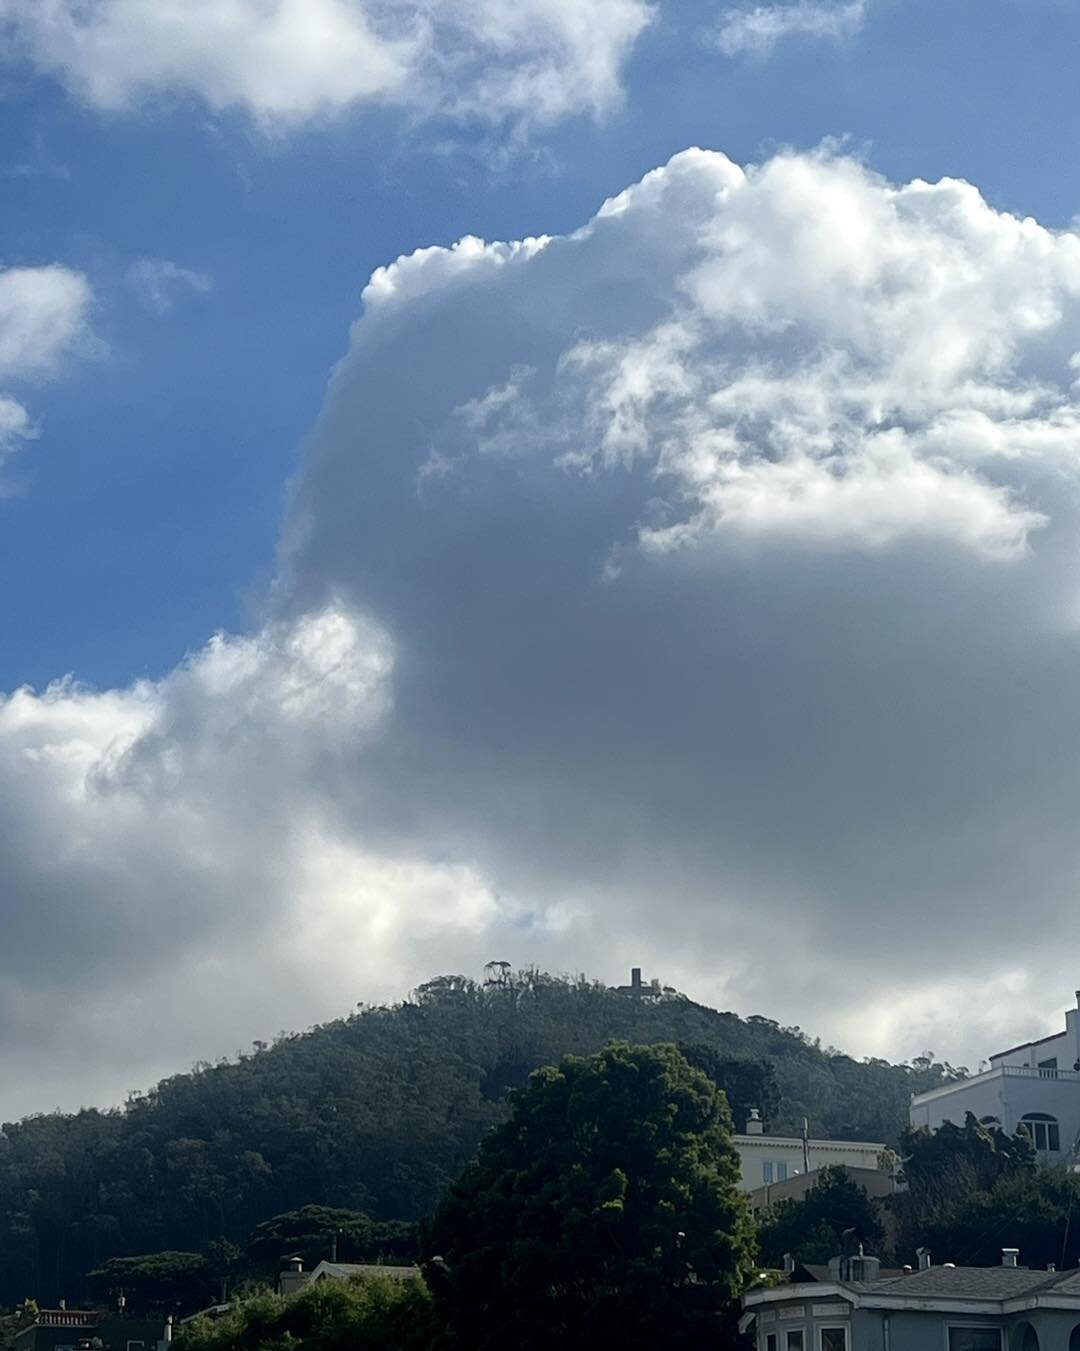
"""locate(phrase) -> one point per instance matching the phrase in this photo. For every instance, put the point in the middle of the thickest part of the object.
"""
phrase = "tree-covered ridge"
(377, 1112)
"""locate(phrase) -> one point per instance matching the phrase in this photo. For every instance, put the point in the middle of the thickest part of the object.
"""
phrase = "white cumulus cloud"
(43, 314)
(757, 31)
(188, 826)
(696, 590)
(290, 60)
(43, 317)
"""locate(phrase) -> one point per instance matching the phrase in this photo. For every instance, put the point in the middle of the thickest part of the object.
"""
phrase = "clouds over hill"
(695, 588)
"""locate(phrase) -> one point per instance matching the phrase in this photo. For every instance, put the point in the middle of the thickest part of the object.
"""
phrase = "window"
(834, 1339)
(767, 1172)
(1043, 1131)
(974, 1339)
(770, 1342)
(781, 1172)
(795, 1340)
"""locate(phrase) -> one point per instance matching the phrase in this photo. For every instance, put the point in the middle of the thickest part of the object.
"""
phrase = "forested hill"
(376, 1112)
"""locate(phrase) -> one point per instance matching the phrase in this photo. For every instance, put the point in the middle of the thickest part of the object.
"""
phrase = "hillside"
(375, 1112)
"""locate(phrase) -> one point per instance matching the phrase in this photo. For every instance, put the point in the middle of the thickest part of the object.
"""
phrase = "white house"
(1035, 1086)
(768, 1159)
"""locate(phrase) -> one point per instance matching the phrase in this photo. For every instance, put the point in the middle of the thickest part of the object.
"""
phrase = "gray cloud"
(696, 590)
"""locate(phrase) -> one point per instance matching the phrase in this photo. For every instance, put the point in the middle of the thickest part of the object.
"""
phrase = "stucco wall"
(754, 1150)
(1008, 1097)
(907, 1330)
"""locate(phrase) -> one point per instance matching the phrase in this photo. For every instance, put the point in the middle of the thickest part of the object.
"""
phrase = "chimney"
(291, 1277)
(755, 1125)
(789, 1264)
(1009, 1256)
(1078, 999)
(63, 1304)
(923, 1254)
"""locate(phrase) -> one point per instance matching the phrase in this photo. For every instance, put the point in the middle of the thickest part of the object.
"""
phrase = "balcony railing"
(1034, 1072)
(998, 1072)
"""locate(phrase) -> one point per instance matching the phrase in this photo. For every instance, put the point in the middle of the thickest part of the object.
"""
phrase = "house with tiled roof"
(852, 1305)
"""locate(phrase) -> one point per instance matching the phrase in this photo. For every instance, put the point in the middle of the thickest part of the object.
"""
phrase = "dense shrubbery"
(373, 1314)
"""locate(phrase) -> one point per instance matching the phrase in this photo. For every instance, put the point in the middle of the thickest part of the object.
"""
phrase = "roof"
(1024, 1045)
(807, 1272)
(345, 1271)
(948, 1282)
(968, 1282)
(796, 1142)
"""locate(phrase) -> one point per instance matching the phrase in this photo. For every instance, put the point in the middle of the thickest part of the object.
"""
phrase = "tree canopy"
(376, 1113)
(312, 1231)
(605, 1210)
(161, 1280)
(813, 1229)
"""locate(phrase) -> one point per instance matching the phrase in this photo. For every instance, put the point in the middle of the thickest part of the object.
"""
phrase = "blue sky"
(150, 505)
(189, 474)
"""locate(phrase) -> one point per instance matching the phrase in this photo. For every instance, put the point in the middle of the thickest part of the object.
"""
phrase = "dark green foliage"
(951, 1176)
(159, 1280)
(605, 1212)
(372, 1314)
(954, 1159)
(1037, 1211)
(310, 1231)
(746, 1083)
(375, 1113)
(814, 1229)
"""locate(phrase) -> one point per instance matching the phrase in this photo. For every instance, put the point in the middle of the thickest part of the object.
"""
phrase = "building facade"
(93, 1330)
(1006, 1308)
(771, 1159)
(874, 1182)
(1034, 1087)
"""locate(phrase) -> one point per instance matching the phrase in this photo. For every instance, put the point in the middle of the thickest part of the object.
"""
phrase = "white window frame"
(974, 1327)
(782, 1171)
(794, 1332)
(767, 1171)
(845, 1328)
(1036, 1123)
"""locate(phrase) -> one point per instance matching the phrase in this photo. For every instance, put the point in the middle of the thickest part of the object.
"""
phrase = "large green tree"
(813, 1229)
(312, 1232)
(605, 1210)
(158, 1280)
(947, 1174)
